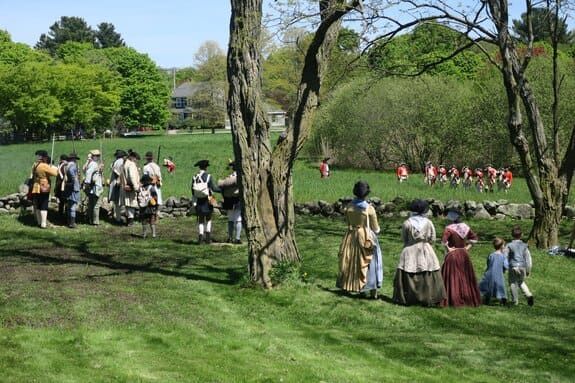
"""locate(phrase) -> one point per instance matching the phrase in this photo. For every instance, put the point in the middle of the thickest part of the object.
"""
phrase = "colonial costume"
(492, 284)
(203, 201)
(520, 265)
(401, 173)
(457, 270)
(40, 187)
(93, 187)
(360, 266)
(72, 189)
(232, 204)
(418, 278)
(59, 187)
(130, 184)
(148, 205)
(153, 170)
(324, 168)
(115, 185)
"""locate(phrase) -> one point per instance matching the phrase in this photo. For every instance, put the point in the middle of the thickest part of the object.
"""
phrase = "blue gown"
(492, 284)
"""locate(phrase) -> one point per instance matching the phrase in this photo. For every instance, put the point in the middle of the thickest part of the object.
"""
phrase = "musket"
(158, 157)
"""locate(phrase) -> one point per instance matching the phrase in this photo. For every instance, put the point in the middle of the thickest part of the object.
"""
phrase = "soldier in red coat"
(402, 173)
(491, 178)
(479, 182)
(442, 175)
(454, 177)
(507, 179)
(467, 177)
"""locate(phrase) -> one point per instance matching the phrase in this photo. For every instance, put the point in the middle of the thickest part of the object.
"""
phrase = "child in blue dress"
(492, 284)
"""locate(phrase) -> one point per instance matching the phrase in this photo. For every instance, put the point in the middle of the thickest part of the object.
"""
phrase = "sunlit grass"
(102, 304)
(16, 162)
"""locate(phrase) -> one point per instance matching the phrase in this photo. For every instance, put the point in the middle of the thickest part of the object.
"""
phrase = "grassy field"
(103, 305)
(16, 162)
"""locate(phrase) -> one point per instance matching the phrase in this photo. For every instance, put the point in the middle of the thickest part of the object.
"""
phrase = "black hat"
(419, 206)
(146, 179)
(361, 189)
(41, 153)
(72, 156)
(133, 154)
(63, 157)
(202, 164)
(149, 155)
(120, 153)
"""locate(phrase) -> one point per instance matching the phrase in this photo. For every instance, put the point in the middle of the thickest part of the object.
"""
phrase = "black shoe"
(200, 239)
(503, 302)
(230, 240)
(130, 222)
(208, 238)
(530, 301)
(72, 223)
(237, 241)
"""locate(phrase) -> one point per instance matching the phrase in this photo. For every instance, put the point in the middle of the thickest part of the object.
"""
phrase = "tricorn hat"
(202, 164)
(133, 154)
(95, 152)
(41, 153)
(146, 179)
(149, 155)
(63, 157)
(120, 153)
(73, 156)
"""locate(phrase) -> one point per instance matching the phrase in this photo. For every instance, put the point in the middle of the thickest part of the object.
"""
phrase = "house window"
(180, 102)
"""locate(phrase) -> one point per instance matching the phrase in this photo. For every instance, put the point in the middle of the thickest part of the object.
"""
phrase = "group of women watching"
(419, 278)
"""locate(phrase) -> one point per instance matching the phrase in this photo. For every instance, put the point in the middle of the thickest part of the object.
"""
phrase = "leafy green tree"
(27, 99)
(423, 50)
(107, 37)
(542, 20)
(66, 29)
(144, 92)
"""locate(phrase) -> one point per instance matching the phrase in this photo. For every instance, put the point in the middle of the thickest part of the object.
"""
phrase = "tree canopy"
(542, 20)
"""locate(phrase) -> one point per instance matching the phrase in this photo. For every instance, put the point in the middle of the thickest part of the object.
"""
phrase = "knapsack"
(201, 188)
(144, 197)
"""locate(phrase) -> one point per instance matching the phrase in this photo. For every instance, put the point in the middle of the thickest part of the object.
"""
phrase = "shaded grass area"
(104, 305)
(16, 162)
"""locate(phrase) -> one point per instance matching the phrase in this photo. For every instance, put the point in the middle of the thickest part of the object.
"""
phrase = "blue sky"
(170, 32)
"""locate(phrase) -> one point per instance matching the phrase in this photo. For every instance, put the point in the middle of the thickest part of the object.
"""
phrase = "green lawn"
(102, 305)
(16, 162)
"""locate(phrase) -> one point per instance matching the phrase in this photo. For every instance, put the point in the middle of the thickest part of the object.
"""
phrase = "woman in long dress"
(457, 270)
(418, 278)
(360, 267)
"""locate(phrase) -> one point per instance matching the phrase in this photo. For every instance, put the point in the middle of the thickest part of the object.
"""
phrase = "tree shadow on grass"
(79, 253)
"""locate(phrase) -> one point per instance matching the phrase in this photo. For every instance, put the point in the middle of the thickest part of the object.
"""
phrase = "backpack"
(200, 188)
(144, 197)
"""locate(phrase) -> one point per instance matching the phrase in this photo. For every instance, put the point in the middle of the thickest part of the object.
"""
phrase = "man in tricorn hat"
(72, 188)
(39, 186)
(114, 193)
(153, 170)
(232, 204)
(93, 187)
(203, 188)
(130, 181)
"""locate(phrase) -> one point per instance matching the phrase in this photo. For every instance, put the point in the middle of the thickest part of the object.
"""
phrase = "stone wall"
(179, 207)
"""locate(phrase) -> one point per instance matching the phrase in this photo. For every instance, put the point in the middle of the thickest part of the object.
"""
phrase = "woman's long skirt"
(459, 280)
(424, 288)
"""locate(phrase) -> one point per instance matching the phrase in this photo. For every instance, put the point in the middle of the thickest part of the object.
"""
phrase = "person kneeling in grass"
(493, 283)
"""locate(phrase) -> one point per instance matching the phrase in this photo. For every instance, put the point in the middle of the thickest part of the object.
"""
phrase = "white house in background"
(183, 100)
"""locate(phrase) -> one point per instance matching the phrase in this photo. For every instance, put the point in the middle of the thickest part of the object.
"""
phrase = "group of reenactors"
(131, 189)
(483, 180)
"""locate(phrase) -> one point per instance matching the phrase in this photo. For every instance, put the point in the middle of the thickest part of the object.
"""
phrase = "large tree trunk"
(265, 174)
(547, 179)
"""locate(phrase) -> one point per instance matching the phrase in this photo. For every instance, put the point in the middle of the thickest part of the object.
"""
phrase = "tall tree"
(107, 37)
(266, 171)
(66, 29)
(542, 23)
